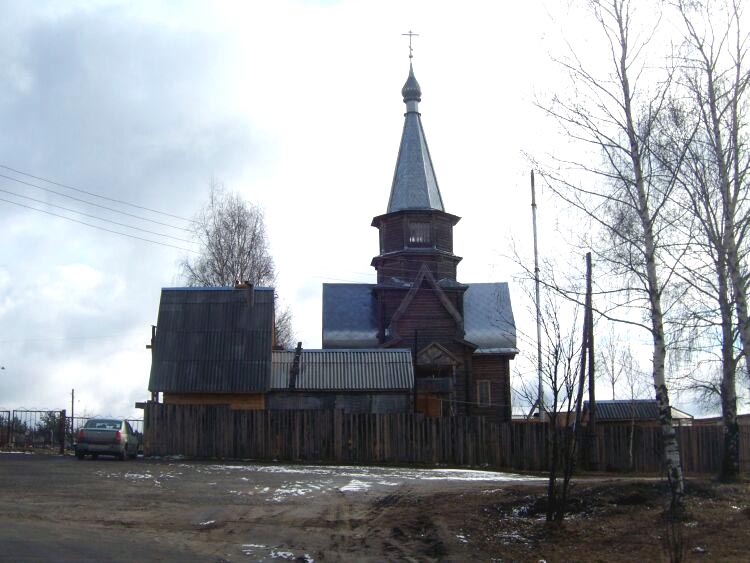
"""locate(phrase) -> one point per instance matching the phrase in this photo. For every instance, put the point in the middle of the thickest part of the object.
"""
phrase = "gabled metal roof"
(349, 319)
(345, 370)
(488, 318)
(213, 340)
(414, 182)
(639, 409)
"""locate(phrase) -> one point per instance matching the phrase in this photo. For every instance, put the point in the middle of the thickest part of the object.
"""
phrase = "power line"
(92, 203)
(69, 187)
(95, 216)
(98, 226)
(63, 338)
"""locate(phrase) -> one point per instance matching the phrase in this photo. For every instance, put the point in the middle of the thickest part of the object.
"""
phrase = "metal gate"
(46, 429)
(36, 429)
(4, 429)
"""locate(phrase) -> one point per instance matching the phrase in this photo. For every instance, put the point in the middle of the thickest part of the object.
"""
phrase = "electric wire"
(93, 204)
(95, 216)
(98, 226)
(62, 338)
(69, 187)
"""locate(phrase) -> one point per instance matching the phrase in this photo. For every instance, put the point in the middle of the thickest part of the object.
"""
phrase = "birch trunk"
(669, 438)
(717, 101)
(730, 461)
(731, 184)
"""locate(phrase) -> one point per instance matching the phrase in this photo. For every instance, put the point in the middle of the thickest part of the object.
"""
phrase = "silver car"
(107, 436)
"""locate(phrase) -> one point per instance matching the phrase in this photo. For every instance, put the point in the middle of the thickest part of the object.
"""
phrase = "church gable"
(436, 355)
(427, 309)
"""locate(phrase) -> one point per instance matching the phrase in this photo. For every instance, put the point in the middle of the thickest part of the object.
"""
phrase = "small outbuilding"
(214, 346)
(642, 412)
(354, 381)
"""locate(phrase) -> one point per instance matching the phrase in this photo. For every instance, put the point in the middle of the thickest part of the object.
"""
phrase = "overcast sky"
(295, 105)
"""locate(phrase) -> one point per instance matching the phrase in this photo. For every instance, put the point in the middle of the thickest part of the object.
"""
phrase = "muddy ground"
(56, 508)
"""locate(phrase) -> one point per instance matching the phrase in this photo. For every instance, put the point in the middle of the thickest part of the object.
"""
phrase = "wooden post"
(593, 454)
(72, 416)
(415, 368)
(61, 431)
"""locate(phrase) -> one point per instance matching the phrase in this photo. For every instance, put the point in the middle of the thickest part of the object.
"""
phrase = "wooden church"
(462, 334)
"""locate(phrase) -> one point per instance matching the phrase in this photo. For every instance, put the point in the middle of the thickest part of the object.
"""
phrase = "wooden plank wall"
(218, 432)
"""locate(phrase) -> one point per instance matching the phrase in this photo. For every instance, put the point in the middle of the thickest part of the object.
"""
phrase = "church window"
(483, 393)
(419, 234)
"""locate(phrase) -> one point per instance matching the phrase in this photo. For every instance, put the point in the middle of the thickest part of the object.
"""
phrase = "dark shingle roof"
(213, 340)
(488, 318)
(414, 182)
(349, 317)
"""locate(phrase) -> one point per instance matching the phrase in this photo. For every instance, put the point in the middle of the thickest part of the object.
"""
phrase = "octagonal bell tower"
(416, 231)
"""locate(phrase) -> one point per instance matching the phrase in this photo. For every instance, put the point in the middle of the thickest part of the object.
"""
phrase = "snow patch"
(136, 476)
(251, 548)
(355, 486)
(282, 554)
(476, 475)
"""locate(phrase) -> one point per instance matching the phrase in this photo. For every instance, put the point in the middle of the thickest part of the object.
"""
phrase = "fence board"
(212, 431)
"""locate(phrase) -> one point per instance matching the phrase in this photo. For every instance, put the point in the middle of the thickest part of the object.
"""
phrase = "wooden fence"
(334, 437)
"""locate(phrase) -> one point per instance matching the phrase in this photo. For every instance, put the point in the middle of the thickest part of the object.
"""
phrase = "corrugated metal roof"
(349, 319)
(345, 370)
(639, 409)
(488, 318)
(213, 340)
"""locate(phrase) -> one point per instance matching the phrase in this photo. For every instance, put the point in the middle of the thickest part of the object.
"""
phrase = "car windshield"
(103, 424)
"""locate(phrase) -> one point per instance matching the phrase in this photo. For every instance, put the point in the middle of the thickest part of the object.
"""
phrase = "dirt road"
(56, 508)
(60, 509)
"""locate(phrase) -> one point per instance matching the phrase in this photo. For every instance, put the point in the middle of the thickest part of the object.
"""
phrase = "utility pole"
(414, 359)
(540, 388)
(592, 449)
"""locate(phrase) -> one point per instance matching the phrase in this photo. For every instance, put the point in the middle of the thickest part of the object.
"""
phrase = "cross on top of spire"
(410, 34)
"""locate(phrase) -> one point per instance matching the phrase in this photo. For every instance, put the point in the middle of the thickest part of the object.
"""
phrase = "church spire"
(414, 183)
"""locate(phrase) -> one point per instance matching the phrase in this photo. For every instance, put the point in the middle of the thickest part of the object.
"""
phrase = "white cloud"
(296, 105)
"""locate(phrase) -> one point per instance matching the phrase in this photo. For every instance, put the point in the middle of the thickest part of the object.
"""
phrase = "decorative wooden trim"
(424, 274)
(442, 351)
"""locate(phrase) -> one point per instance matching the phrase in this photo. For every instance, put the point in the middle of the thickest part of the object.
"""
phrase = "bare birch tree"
(704, 143)
(611, 363)
(234, 248)
(233, 241)
(629, 202)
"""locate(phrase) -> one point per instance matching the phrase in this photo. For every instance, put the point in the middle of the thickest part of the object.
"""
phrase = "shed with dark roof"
(355, 381)
(213, 345)
(644, 412)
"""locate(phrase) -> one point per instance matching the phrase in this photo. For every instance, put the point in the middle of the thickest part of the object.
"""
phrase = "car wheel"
(94, 456)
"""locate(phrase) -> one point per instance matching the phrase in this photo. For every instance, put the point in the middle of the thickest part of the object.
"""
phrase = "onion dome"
(411, 90)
